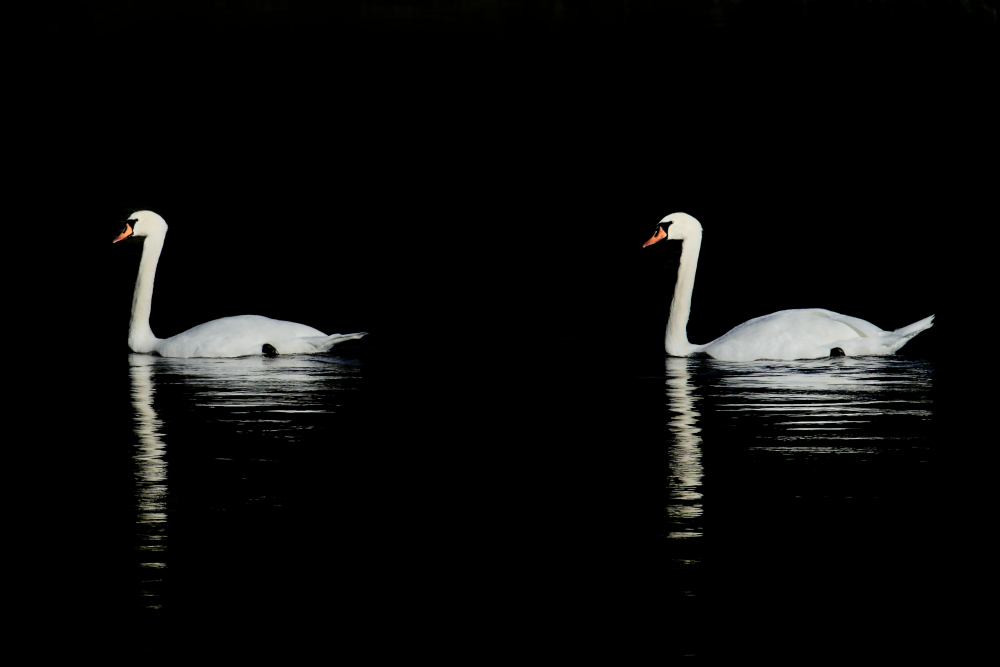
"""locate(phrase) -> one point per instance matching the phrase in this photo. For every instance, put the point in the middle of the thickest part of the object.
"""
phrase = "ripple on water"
(213, 434)
(784, 432)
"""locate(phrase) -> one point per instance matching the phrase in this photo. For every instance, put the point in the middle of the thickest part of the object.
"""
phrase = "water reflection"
(808, 480)
(151, 476)
(685, 451)
(747, 417)
(225, 420)
(846, 402)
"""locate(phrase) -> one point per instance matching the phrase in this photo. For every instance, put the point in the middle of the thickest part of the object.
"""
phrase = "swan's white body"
(809, 333)
(238, 336)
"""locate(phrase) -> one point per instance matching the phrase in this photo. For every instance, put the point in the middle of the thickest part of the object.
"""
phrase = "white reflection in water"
(814, 412)
(261, 393)
(685, 452)
(836, 399)
(257, 394)
(151, 476)
(798, 408)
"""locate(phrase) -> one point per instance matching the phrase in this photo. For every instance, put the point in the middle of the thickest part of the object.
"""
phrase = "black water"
(789, 499)
(357, 486)
(800, 496)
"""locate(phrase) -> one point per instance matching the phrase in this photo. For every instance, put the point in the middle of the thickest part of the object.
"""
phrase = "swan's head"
(675, 227)
(143, 223)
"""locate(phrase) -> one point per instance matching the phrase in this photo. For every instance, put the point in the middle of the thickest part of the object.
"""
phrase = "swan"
(238, 336)
(808, 333)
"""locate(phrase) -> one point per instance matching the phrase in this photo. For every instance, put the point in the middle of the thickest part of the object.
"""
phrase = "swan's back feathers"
(808, 333)
(800, 333)
(246, 335)
(863, 327)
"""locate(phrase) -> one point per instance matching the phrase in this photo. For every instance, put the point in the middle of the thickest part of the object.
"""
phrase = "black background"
(491, 174)
(472, 182)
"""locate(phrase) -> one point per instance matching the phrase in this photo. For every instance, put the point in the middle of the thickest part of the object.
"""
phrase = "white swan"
(808, 333)
(238, 336)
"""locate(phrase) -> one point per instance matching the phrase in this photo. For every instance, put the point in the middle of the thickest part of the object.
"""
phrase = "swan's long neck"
(680, 307)
(140, 336)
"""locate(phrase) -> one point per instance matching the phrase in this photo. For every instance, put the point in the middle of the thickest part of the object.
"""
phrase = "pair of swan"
(809, 333)
(238, 336)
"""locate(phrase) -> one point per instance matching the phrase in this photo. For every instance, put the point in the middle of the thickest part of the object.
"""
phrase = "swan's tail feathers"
(915, 328)
(887, 342)
(323, 344)
(901, 337)
(310, 344)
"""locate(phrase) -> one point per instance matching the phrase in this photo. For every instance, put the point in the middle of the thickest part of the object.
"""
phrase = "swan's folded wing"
(865, 329)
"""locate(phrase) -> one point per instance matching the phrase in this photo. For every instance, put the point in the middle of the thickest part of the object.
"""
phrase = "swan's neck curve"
(140, 336)
(676, 342)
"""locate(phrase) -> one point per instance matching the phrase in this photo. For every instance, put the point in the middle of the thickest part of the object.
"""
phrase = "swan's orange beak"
(658, 236)
(127, 232)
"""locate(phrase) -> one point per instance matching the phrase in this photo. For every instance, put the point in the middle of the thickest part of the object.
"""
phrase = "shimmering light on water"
(270, 402)
(685, 454)
(151, 473)
(800, 411)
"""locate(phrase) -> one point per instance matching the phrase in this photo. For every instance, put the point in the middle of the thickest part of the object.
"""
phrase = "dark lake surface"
(785, 496)
(798, 492)
(240, 426)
